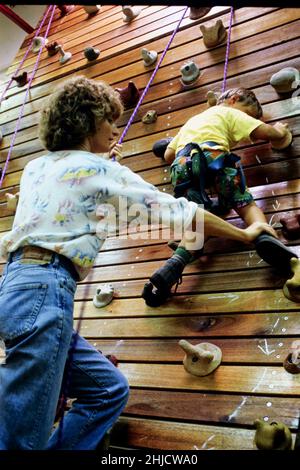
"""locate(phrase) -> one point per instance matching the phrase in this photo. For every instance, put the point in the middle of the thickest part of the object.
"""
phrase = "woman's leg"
(36, 305)
(101, 393)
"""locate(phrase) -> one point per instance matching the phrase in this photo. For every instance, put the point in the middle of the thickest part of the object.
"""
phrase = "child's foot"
(274, 252)
(291, 288)
(162, 281)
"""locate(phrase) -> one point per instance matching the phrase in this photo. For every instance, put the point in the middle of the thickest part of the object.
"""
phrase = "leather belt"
(39, 255)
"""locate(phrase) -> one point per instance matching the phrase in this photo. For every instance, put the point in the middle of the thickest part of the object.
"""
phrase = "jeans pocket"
(19, 308)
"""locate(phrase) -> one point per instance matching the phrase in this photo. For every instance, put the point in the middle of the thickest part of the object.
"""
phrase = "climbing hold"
(212, 98)
(104, 295)
(21, 79)
(149, 57)
(91, 9)
(37, 43)
(12, 201)
(200, 359)
(160, 146)
(65, 56)
(130, 95)
(112, 359)
(52, 48)
(286, 80)
(64, 9)
(291, 288)
(292, 361)
(189, 73)
(90, 53)
(130, 12)
(196, 13)
(150, 117)
(214, 34)
(273, 436)
(291, 226)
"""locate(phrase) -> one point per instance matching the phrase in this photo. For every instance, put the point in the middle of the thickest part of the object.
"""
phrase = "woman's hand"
(286, 136)
(115, 151)
(256, 229)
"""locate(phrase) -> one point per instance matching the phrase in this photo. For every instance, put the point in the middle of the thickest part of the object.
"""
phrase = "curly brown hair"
(245, 96)
(73, 111)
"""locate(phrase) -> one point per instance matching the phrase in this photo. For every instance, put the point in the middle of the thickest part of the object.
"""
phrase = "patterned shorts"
(226, 183)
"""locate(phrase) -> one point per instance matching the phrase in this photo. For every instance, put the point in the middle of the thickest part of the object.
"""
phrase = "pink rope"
(26, 54)
(227, 51)
(25, 98)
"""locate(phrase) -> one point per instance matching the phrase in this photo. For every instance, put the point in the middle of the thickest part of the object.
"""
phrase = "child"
(200, 157)
(53, 243)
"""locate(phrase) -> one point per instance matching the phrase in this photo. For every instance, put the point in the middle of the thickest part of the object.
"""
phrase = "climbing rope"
(227, 51)
(66, 385)
(25, 98)
(26, 54)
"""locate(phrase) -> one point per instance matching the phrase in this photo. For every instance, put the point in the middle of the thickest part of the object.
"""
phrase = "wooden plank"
(212, 408)
(177, 318)
(264, 278)
(250, 379)
(164, 435)
(253, 351)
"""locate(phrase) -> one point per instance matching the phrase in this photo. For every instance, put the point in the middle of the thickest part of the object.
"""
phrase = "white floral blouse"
(66, 201)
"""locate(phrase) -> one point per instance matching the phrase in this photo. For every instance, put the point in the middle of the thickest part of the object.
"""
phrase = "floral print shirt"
(66, 201)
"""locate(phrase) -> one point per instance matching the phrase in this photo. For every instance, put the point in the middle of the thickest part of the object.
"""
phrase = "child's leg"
(270, 249)
(251, 213)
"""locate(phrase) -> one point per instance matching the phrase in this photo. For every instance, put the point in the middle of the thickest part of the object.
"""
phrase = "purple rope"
(26, 54)
(25, 98)
(150, 81)
(227, 51)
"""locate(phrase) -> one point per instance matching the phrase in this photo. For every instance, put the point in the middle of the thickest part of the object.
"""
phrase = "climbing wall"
(231, 297)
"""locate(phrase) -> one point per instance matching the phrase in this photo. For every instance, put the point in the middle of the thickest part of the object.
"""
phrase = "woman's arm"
(216, 227)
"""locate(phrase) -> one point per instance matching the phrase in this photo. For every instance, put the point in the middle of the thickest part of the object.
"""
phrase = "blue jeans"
(36, 318)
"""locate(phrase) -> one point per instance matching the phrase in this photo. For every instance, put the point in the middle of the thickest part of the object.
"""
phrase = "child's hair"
(73, 111)
(247, 97)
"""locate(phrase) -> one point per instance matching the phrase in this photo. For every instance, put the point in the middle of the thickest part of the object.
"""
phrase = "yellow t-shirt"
(223, 125)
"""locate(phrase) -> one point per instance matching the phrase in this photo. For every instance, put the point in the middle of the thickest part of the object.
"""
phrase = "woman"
(59, 227)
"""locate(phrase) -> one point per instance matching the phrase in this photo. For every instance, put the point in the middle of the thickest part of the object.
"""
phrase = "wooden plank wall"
(231, 297)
